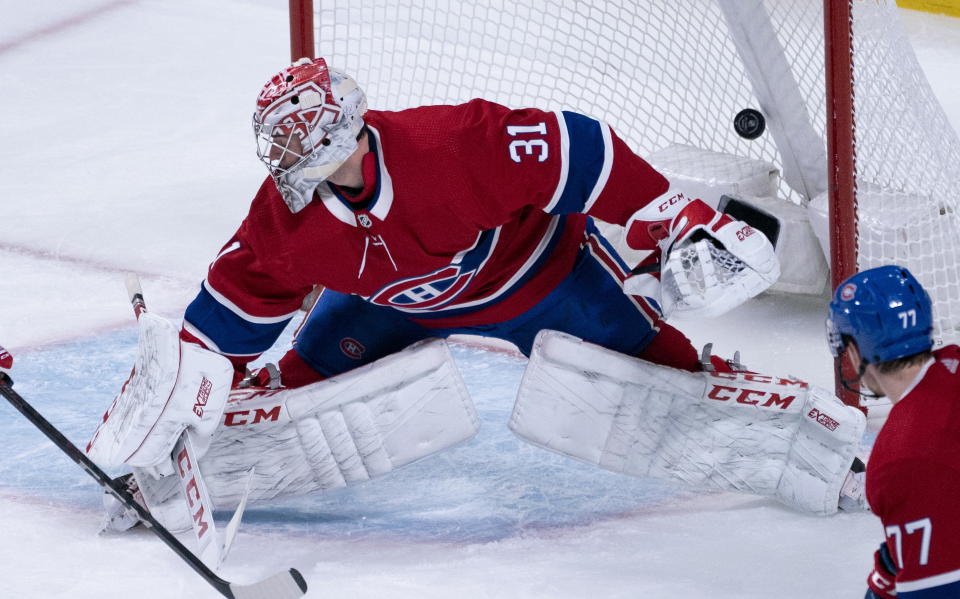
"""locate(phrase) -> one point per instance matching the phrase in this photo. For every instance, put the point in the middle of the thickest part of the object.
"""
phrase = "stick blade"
(283, 585)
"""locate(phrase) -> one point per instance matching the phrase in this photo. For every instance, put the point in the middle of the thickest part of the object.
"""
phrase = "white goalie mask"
(306, 124)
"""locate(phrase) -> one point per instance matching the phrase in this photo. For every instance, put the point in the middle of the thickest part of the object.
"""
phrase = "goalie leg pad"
(727, 431)
(347, 429)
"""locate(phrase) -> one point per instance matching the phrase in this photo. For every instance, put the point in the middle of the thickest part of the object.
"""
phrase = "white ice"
(128, 147)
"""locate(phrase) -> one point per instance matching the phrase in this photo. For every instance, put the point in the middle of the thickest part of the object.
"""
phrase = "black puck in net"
(749, 123)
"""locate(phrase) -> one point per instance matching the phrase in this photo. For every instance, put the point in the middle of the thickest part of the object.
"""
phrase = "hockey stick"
(192, 485)
(189, 476)
(283, 585)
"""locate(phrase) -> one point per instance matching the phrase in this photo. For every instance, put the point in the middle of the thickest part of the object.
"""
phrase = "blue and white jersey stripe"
(227, 329)
(941, 586)
(586, 154)
(605, 254)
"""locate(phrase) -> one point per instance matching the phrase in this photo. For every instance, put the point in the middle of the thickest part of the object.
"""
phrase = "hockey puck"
(749, 123)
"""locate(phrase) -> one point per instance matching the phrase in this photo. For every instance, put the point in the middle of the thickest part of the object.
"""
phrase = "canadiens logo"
(424, 292)
(744, 233)
(352, 348)
(848, 292)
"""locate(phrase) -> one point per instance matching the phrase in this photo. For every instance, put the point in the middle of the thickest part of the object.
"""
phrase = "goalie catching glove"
(705, 262)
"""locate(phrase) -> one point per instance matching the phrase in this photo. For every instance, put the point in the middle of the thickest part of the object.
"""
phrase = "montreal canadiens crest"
(352, 348)
(426, 292)
(848, 292)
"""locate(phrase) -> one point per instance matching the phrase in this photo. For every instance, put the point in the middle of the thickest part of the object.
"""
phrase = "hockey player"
(418, 224)
(881, 320)
(441, 220)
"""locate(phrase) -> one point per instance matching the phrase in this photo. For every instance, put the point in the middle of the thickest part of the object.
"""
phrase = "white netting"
(907, 156)
(722, 268)
(664, 72)
(661, 72)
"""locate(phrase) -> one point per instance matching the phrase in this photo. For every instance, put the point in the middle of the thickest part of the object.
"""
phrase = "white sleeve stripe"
(929, 582)
(564, 161)
(493, 248)
(209, 342)
(226, 303)
(607, 166)
(206, 340)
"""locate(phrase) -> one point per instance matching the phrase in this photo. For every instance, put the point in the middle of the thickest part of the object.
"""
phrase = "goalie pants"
(343, 332)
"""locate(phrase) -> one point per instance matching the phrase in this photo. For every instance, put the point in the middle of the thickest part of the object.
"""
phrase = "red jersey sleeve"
(560, 162)
(247, 298)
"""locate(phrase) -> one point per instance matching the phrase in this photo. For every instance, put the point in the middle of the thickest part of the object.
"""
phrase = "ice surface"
(127, 147)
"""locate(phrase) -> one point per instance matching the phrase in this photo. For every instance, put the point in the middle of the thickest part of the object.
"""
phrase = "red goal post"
(301, 30)
(857, 143)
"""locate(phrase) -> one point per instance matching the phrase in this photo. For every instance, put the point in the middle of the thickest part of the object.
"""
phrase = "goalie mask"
(306, 124)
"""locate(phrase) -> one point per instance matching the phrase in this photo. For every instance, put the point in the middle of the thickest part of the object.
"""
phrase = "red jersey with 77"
(913, 481)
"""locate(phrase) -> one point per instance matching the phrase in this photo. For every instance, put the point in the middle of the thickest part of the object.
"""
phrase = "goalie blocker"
(738, 431)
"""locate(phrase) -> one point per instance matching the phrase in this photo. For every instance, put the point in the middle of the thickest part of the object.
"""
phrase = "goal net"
(669, 73)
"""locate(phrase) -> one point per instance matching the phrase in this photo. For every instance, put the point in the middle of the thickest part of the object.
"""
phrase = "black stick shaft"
(116, 489)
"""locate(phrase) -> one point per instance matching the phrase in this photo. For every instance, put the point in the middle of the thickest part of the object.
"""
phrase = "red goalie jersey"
(471, 214)
(913, 481)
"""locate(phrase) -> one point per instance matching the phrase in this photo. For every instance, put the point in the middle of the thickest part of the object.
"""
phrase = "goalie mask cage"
(849, 112)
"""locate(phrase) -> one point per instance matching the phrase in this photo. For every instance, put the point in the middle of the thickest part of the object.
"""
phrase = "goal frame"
(841, 139)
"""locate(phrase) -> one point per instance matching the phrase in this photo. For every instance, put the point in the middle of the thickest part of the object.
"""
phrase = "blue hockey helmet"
(885, 311)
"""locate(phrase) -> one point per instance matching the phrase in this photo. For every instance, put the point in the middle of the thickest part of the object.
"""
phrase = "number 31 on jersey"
(530, 140)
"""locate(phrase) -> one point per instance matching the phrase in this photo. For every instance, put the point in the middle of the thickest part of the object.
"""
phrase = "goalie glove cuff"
(697, 221)
(650, 225)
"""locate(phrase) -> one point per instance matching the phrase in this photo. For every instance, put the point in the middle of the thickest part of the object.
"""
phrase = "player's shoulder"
(948, 357)
(939, 387)
(267, 204)
(924, 422)
(269, 226)
(449, 119)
